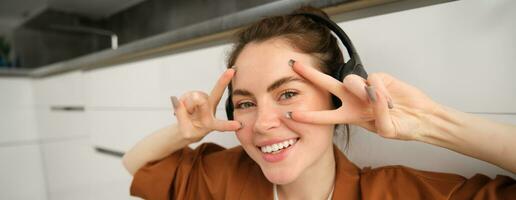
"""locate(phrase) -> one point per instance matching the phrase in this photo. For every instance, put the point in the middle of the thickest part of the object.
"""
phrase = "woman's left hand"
(392, 109)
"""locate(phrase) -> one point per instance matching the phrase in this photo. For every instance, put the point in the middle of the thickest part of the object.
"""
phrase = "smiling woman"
(285, 117)
(272, 89)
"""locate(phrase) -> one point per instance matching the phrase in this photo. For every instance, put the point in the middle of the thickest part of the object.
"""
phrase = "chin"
(281, 176)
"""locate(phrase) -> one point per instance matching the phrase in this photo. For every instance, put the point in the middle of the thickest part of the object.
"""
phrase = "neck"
(316, 182)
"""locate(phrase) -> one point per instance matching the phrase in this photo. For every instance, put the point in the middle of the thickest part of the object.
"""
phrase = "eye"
(287, 95)
(244, 105)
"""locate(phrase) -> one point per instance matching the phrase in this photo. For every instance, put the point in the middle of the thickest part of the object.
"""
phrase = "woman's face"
(264, 89)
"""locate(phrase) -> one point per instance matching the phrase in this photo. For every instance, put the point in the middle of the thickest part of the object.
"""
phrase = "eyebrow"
(278, 83)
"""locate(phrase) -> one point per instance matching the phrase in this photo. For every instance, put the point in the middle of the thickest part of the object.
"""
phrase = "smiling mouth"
(276, 148)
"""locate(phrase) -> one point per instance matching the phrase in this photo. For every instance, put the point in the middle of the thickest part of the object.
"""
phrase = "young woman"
(285, 118)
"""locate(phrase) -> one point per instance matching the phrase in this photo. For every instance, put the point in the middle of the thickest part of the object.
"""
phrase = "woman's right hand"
(195, 111)
(391, 108)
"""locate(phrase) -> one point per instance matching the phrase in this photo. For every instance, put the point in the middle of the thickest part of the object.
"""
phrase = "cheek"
(245, 134)
(312, 131)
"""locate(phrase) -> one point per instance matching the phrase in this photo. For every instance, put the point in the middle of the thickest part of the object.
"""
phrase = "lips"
(277, 150)
(276, 147)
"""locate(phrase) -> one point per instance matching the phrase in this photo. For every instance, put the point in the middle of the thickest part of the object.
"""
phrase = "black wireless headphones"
(353, 66)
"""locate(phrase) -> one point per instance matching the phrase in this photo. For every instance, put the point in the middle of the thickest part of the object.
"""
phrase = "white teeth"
(278, 146)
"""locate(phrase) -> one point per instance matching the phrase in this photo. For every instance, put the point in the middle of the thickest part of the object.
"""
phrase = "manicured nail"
(288, 115)
(291, 62)
(389, 104)
(371, 93)
(175, 102)
(241, 125)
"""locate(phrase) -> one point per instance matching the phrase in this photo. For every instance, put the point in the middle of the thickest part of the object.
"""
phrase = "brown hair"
(303, 34)
(300, 32)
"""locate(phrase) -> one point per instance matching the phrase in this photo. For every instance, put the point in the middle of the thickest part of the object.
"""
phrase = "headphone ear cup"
(229, 108)
(351, 68)
(346, 69)
(359, 70)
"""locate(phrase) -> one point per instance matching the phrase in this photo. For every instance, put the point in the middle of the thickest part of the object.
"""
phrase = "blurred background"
(83, 81)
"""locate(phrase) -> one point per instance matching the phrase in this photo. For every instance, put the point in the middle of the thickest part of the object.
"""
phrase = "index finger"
(320, 117)
(320, 79)
(217, 91)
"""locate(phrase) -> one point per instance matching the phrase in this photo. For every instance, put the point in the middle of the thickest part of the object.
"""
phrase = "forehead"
(261, 63)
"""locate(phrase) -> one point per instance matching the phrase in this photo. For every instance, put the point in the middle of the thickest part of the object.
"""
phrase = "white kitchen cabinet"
(16, 92)
(22, 173)
(150, 83)
(119, 130)
(17, 115)
(17, 124)
(61, 124)
(59, 90)
(76, 171)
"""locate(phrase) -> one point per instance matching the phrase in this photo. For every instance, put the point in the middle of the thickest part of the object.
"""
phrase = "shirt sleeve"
(483, 187)
(399, 182)
(170, 176)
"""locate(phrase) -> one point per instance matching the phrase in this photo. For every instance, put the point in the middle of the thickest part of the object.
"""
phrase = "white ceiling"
(15, 12)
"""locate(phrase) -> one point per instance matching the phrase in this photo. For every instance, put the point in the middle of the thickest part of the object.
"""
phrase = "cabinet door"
(52, 97)
(17, 116)
(119, 130)
(59, 90)
(76, 171)
(22, 175)
(60, 123)
(150, 83)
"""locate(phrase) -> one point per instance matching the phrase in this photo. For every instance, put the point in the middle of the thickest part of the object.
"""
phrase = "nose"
(268, 118)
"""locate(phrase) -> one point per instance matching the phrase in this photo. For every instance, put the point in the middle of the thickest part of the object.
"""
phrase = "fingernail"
(371, 93)
(291, 62)
(389, 104)
(175, 102)
(288, 115)
(241, 125)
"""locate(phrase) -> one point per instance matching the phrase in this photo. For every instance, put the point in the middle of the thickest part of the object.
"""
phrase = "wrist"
(438, 125)
(175, 139)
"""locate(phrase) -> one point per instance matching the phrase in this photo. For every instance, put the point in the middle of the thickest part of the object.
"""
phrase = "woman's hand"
(195, 111)
(195, 114)
(381, 104)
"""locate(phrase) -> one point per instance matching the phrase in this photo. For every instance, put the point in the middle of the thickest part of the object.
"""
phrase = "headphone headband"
(353, 66)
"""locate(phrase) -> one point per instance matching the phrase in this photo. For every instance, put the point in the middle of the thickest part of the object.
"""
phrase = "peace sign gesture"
(195, 111)
(381, 104)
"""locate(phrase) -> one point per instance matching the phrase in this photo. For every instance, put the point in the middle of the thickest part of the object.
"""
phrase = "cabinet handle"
(67, 108)
(110, 152)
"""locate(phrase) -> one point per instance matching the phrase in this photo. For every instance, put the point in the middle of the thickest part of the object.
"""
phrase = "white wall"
(460, 53)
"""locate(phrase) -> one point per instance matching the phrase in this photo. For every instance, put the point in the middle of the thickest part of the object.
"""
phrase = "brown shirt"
(212, 172)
